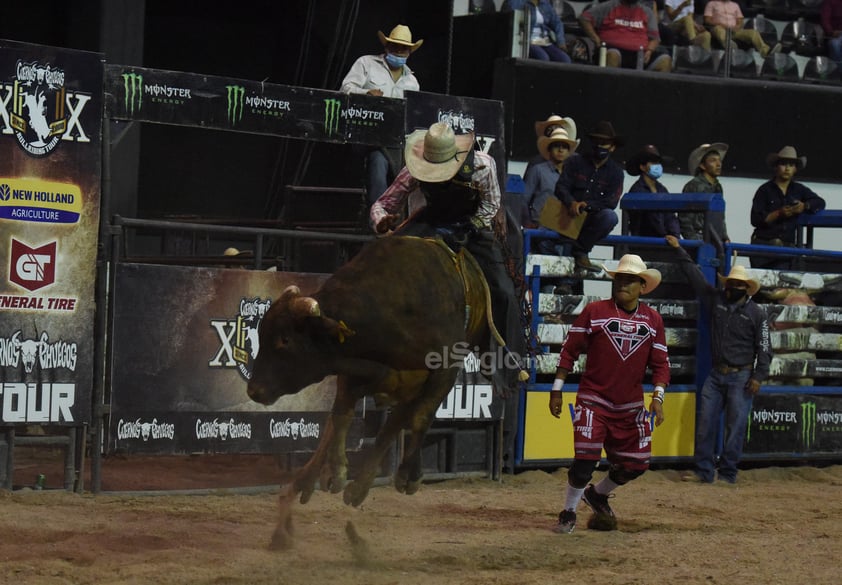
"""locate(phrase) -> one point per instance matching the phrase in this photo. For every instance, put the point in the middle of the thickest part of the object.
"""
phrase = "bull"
(373, 324)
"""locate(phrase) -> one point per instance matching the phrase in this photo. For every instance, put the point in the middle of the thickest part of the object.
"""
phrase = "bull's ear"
(305, 307)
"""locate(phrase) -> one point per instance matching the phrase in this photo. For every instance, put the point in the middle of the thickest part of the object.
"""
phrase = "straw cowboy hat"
(633, 264)
(546, 127)
(700, 152)
(435, 155)
(739, 273)
(400, 35)
(559, 134)
(647, 154)
(787, 153)
(604, 132)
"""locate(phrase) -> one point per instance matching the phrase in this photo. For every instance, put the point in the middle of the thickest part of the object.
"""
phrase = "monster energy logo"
(808, 424)
(133, 85)
(333, 108)
(236, 93)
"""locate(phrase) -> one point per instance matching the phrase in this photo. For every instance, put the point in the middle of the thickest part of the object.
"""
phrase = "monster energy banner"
(189, 99)
(794, 423)
(482, 117)
(50, 146)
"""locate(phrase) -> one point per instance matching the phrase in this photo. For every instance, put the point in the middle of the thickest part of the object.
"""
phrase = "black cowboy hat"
(604, 132)
(647, 154)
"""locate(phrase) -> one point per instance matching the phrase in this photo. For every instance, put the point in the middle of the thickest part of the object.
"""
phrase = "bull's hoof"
(412, 487)
(281, 540)
(355, 493)
(333, 480)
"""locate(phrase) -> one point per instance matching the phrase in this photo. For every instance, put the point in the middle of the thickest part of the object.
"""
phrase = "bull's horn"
(305, 307)
(290, 292)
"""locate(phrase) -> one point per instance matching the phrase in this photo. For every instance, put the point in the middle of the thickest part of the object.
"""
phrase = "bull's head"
(28, 350)
(297, 347)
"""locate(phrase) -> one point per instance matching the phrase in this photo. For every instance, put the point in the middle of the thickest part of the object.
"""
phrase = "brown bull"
(373, 324)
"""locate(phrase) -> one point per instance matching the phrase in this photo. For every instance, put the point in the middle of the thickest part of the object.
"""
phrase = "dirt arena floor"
(777, 525)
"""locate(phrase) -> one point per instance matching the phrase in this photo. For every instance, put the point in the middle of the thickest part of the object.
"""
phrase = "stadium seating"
(743, 65)
(780, 67)
(822, 70)
(693, 59)
(804, 38)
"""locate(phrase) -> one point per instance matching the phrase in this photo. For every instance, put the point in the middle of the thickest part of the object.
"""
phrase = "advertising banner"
(221, 103)
(185, 340)
(464, 114)
(50, 152)
(794, 423)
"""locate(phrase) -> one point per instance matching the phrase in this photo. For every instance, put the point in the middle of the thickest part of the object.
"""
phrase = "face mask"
(600, 153)
(733, 295)
(394, 61)
(655, 171)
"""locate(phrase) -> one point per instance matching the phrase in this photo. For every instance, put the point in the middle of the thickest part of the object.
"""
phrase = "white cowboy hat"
(739, 273)
(633, 264)
(559, 134)
(787, 153)
(400, 35)
(699, 153)
(435, 155)
(546, 127)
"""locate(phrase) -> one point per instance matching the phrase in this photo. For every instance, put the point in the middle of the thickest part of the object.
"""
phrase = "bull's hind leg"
(411, 413)
(409, 474)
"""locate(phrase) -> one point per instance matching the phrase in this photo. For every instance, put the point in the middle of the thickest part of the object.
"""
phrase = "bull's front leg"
(282, 538)
(334, 472)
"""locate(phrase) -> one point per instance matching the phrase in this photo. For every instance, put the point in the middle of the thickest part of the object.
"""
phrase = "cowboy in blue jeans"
(741, 352)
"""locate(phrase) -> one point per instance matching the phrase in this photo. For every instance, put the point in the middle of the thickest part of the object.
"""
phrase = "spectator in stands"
(647, 163)
(722, 16)
(777, 204)
(593, 184)
(705, 162)
(626, 28)
(540, 180)
(547, 42)
(383, 75)
(741, 352)
(545, 128)
(832, 25)
(681, 19)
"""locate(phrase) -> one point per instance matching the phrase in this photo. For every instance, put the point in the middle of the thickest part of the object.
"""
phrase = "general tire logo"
(333, 110)
(32, 268)
(133, 86)
(236, 98)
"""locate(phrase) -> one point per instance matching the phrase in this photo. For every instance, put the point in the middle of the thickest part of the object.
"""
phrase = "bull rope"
(459, 263)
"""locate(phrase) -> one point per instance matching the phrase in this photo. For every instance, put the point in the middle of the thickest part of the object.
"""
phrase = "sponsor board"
(794, 423)
(218, 432)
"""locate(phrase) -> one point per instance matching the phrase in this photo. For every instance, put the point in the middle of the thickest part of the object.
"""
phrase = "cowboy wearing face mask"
(648, 164)
(383, 75)
(741, 352)
(593, 184)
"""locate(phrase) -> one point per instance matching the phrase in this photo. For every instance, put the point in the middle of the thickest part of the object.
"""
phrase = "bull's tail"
(522, 375)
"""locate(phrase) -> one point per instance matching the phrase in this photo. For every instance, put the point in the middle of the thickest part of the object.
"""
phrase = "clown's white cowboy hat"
(633, 264)
(739, 273)
(559, 134)
(787, 153)
(545, 128)
(435, 155)
(400, 35)
(700, 152)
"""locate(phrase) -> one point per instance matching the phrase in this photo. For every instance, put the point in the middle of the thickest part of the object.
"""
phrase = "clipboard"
(556, 217)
